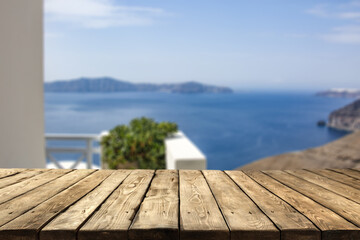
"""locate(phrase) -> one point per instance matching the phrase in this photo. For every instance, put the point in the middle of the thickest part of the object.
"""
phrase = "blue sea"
(230, 129)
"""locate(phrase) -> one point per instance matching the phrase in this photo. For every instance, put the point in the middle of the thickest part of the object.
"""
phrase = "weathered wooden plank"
(6, 172)
(17, 189)
(27, 226)
(158, 215)
(56, 204)
(114, 217)
(291, 223)
(66, 225)
(19, 177)
(349, 172)
(338, 204)
(332, 226)
(244, 218)
(353, 182)
(200, 217)
(21, 204)
(334, 186)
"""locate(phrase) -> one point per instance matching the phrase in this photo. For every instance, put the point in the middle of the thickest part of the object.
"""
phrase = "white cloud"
(349, 28)
(351, 38)
(319, 11)
(344, 34)
(348, 12)
(349, 15)
(99, 13)
(344, 11)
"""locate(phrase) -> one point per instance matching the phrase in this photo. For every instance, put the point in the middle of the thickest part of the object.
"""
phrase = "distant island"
(107, 84)
(340, 93)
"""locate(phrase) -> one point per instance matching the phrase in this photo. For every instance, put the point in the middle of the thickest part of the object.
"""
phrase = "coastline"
(343, 129)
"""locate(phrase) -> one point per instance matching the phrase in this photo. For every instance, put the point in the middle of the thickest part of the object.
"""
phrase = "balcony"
(83, 151)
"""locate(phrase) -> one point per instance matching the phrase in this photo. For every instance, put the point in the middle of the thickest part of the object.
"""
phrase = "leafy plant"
(137, 145)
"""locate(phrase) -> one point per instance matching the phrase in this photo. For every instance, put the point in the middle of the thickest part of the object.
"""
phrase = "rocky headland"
(342, 153)
(346, 118)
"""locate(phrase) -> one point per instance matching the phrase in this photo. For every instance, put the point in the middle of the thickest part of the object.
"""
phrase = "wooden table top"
(186, 204)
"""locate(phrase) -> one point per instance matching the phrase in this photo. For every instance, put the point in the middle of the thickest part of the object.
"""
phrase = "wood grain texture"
(66, 225)
(244, 218)
(332, 226)
(6, 172)
(200, 217)
(329, 184)
(114, 217)
(21, 204)
(17, 189)
(158, 215)
(348, 172)
(338, 204)
(19, 177)
(28, 225)
(189, 204)
(353, 182)
(291, 223)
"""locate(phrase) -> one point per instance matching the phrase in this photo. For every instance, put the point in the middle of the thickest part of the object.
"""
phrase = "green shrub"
(138, 145)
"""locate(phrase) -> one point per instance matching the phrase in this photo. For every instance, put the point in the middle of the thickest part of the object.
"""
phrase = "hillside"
(346, 118)
(342, 153)
(107, 84)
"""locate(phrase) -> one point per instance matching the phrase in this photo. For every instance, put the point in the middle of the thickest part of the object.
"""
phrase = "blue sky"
(256, 44)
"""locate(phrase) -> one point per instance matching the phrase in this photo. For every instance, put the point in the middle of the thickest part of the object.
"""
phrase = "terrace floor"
(186, 204)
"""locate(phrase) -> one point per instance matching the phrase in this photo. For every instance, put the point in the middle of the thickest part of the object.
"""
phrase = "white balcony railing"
(81, 145)
(181, 153)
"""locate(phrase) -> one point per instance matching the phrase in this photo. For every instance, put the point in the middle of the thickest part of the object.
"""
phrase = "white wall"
(21, 84)
(181, 153)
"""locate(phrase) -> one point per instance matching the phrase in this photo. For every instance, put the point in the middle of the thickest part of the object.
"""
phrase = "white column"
(21, 84)
(89, 153)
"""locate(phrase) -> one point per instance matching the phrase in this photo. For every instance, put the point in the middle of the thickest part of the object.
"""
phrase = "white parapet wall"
(181, 153)
(21, 84)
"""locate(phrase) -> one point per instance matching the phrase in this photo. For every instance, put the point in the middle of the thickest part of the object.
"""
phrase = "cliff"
(342, 153)
(107, 84)
(346, 118)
